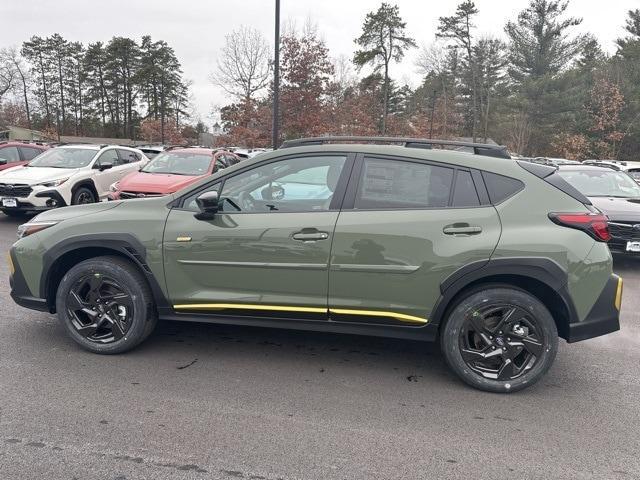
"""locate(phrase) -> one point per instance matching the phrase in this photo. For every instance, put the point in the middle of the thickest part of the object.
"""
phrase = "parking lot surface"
(206, 401)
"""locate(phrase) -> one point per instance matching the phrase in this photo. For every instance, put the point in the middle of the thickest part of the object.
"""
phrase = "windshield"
(602, 183)
(64, 158)
(180, 163)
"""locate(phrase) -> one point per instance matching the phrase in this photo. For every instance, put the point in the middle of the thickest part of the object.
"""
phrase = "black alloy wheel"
(99, 308)
(84, 197)
(500, 341)
(499, 338)
(105, 304)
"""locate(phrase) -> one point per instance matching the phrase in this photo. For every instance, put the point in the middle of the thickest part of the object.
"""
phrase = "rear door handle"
(310, 235)
(462, 229)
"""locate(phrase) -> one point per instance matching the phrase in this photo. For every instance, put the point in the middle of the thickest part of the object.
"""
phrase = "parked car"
(631, 168)
(616, 195)
(171, 171)
(16, 153)
(493, 258)
(66, 175)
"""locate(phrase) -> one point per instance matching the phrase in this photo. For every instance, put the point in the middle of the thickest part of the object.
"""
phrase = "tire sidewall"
(128, 282)
(450, 336)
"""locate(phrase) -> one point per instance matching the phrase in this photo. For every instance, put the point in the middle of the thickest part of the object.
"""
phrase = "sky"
(196, 29)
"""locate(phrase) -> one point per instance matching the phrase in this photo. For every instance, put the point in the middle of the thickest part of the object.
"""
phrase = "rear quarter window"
(500, 187)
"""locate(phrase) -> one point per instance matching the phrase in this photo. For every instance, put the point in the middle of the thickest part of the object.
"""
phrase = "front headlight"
(30, 228)
(54, 183)
(115, 187)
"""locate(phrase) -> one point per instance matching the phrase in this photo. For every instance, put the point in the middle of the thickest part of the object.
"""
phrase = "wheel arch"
(88, 183)
(60, 258)
(541, 277)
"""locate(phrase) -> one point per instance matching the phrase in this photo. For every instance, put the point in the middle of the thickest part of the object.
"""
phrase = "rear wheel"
(106, 305)
(499, 339)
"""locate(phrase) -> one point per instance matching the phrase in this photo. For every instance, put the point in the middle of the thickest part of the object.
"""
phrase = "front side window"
(180, 163)
(110, 156)
(398, 184)
(304, 184)
(9, 155)
(64, 158)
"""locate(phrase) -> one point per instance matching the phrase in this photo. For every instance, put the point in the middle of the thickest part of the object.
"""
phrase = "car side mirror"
(105, 166)
(209, 204)
(3, 161)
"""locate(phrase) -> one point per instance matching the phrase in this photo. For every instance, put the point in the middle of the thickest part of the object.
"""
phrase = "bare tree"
(12, 55)
(7, 73)
(243, 68)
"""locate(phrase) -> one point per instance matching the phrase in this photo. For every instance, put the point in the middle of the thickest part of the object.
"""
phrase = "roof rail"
(485, 149)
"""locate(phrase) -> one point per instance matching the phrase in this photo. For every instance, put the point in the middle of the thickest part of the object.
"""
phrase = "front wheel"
(82, 196)
(105, 305)
(499, 339)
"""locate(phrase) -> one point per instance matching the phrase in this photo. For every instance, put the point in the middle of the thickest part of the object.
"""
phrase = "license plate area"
(9, 202)
(633, 247)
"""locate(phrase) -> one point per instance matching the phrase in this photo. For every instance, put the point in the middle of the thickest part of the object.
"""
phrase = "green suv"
(492, 257)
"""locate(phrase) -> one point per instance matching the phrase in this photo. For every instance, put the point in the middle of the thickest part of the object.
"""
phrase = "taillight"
(595, 224)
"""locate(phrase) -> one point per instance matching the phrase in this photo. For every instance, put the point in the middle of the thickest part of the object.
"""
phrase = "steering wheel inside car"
(246, 201)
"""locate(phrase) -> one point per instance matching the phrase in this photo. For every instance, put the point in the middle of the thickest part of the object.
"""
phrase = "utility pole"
(276, 82)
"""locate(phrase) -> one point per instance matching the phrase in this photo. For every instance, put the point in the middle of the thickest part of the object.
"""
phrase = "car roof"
(201, 150)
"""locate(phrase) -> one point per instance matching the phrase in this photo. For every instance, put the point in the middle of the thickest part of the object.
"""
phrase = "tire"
(83, 195)
(106, 306)
(493, 324)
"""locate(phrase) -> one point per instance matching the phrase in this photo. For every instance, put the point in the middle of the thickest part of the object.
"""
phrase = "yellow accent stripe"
(376, 313)
(246, 306)
(283, 308)
(12, 268)
(618, 302)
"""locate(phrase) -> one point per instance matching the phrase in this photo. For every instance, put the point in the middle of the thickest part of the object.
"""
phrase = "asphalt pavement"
(215, 402)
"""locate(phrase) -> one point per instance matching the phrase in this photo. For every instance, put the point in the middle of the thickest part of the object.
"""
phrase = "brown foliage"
(151, 131)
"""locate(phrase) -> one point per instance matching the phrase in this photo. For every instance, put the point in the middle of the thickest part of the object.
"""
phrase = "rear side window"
(29, 153)
(127, 156)
(465, 194)
(400, 184)
(500, 187)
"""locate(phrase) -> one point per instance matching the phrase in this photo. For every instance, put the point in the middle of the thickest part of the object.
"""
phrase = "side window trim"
(178, 203)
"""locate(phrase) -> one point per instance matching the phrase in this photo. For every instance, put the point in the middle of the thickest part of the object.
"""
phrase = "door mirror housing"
(105, 166)
(3, 161)
(209, 204)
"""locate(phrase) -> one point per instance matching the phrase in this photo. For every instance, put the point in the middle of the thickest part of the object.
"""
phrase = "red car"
(171, 171)
(16, 153)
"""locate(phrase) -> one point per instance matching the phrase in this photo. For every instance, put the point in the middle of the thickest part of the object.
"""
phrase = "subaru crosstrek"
(495, 259)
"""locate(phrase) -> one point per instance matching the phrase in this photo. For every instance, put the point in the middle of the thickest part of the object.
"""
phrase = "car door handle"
(461, 229)
(310, 235)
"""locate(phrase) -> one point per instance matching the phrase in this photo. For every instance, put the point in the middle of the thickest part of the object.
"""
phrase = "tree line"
(122, 88)
(542, 88)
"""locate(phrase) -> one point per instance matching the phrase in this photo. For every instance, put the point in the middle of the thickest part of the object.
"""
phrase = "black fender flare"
(87, 182)
(541, 269)
(125, 244)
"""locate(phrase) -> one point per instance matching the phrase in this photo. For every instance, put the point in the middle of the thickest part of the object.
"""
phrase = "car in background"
(631, 168)
(16, 153)
(171, 171)
(616, 195)
(151, 151)
(66, 175)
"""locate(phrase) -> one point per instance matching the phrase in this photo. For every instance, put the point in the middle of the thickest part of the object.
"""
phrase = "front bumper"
(38, 201)
(604, 316)
(20, 292)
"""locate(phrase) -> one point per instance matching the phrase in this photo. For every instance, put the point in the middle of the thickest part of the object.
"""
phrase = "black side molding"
(602, 319)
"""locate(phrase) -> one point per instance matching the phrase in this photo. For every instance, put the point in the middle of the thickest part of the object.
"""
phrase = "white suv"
(66, 175)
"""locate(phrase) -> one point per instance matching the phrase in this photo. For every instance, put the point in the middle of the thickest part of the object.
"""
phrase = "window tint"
(110, 156)
(304, 184)
(399, 184)
(127, 156)
(29, 153)
(500, 187)
(9, 154)
(465, 194)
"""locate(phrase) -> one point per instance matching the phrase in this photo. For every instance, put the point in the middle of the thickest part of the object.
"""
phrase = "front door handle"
(461, 229)
(310, 235)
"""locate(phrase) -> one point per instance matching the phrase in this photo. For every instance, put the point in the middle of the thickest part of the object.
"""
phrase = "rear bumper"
(604, 316)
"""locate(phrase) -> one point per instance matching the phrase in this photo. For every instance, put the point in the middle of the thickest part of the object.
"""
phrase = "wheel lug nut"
(505, 349)
(490, 337)
(493, 348)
